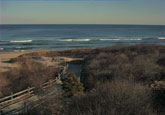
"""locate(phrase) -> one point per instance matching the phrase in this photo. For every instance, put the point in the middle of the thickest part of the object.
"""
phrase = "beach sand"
(6, 56)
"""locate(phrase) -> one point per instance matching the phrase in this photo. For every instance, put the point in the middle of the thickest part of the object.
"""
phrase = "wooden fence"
(22, 95)
(13, 98)
(27, 93)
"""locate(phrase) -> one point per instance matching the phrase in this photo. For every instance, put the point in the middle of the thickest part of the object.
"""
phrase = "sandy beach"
(6, 56)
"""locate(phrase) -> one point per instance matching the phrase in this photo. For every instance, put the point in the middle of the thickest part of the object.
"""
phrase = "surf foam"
(161, 38)
(1, 48)
(117, 39)
(21, 41)
(75, 40)
(106, 39)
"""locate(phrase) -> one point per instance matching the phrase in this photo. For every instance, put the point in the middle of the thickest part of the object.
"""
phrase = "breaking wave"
(161, 38)
(21, 41)
(84, 40)
(117, 39)
(70, 40)
(43, 42)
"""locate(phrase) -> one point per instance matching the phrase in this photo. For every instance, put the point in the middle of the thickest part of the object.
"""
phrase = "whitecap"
(66, 40)
(22, 41)
(109, 39)
(75, 40)
(133, 39)
(161, 38)
(81, 39)
(1, 48)
(118, 39)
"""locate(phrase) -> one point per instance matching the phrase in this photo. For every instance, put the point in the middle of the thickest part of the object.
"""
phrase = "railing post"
(11, 96)
(29, 90)
(50, 81)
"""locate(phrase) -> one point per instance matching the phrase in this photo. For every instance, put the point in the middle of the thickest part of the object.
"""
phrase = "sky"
(148, 12)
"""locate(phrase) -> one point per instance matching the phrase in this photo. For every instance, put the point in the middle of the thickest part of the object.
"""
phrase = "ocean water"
(27, 37)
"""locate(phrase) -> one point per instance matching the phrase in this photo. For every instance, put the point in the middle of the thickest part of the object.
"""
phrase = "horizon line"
(90, 24)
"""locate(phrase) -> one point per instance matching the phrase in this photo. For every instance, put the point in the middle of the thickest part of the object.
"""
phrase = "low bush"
(29, 74)
(72, 86)
(113, 98)
(141, 63)
(3, 83)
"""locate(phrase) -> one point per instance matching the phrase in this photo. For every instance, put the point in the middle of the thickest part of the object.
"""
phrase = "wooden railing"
(21, 96)
(48, 84)
(27, 93)
(13, 98)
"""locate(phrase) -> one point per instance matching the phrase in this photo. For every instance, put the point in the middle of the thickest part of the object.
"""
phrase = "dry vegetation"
(29, 74)
(113, 98)
(117, 80)
(129, 65)
(3, 84)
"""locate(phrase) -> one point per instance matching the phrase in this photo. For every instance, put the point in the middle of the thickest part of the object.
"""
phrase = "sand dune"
(6, 56)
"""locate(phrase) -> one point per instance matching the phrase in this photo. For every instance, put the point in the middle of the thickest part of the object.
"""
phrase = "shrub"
(29, 73)
(3, 83)
(131, 62)
(51, 105)
(113, 98)
(72, 85)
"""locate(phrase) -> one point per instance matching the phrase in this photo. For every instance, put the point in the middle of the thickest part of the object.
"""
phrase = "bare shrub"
(52, 105)
(3, 83)
(30, 73)
(140, 63)
(113, 98)
(144, 68)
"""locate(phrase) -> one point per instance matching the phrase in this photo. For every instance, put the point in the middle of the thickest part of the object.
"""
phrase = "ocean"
(27, 37)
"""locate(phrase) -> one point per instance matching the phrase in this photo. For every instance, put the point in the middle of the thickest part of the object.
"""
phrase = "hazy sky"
(82, 12)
